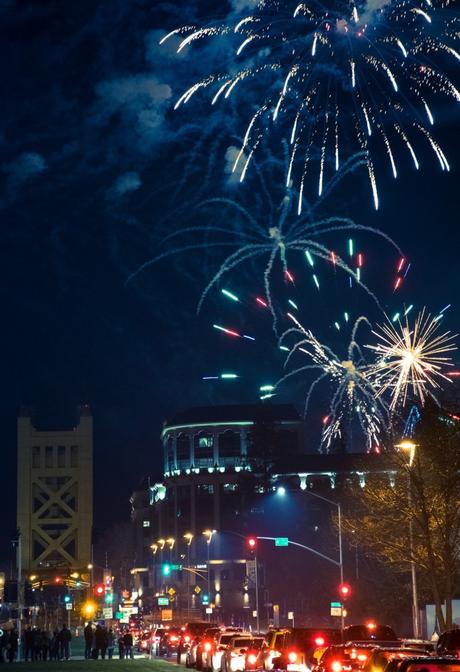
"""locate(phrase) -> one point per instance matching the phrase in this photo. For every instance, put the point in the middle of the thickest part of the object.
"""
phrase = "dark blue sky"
(92, 173)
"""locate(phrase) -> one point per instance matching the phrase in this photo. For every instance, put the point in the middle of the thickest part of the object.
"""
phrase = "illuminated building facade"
(55, 496)
(225, 468)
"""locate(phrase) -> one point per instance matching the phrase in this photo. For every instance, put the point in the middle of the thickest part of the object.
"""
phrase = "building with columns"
(225, 468)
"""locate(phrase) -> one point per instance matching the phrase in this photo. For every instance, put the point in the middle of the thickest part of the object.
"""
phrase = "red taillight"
(362, 657)
(336, 666)
(173, 638)
(292, 655)
(187, 638)
(207, 646)
(252, 659)
(319, 641)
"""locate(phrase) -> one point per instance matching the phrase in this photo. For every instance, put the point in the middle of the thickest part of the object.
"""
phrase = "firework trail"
(412, 359)
(282, 232)
(335, 77)
(353, 380)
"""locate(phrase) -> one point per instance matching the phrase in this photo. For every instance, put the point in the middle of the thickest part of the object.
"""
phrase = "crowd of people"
(100, 642)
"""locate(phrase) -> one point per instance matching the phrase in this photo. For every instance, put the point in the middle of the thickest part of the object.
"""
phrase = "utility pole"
(18, 543)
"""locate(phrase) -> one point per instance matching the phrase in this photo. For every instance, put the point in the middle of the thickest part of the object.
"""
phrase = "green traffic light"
(166, 570)
(66, 598)
(109, 598)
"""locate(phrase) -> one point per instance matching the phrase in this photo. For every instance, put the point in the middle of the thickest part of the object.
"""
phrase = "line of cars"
(209, 647)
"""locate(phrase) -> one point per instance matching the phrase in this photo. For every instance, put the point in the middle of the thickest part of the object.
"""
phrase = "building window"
(170, 453)
(49, 457)
(204, 446)
(146, 523)
(36, 457)
(183, 447)
(229, 444)
(74, 456)
(61, 456)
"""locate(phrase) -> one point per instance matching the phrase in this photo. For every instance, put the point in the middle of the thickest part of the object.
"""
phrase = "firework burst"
(412, 359)
(336, 76)
(355, 393)
(283, 231)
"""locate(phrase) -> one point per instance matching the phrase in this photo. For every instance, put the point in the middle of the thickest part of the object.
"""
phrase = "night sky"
(95, 170)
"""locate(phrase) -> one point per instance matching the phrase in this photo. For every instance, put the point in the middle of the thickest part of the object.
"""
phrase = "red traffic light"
(99, 589)
(252, 543)
(344, 590)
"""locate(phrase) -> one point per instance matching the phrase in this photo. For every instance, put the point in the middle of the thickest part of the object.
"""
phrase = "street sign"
(118, 615)
(336, 609)
(163, 601)
(171, 592)
(197, 590)
(209, 610)
(69, 606)
(176, 567)
(172, 599)
(107, 613)
(254, 613)
(290, 615)
(281, 541)
(166, 614)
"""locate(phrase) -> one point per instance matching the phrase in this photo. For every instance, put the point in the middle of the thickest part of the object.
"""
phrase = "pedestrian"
(12, 645)
(128, 642)
(100, 637)
(46, 645)
(54, 653)
(121, 646)
(89, 636)
(110, 643)
(3, 644)
(65, 637)
(28, 640)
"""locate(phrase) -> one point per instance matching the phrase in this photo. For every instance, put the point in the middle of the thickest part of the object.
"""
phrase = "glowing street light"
(409, 446)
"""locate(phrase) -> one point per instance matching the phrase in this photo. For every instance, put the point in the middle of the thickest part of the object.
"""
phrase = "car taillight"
(187, 638)
(173, 638)
(336, 666)
(144, 645)
(362, 657)
(319, 641)
(207, 646)
(252, 659)
(292, 655)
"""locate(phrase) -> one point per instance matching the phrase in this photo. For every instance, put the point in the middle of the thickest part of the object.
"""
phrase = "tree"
(424, 493)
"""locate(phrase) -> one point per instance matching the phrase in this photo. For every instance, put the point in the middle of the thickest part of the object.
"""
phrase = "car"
(429, 664)
(344, 657)
(275, 640)
(254, 654)
(300, 648)
(190, 634)
(144, 642)
(234, 656)
(195, 656)
(169, 641)
(387, 659)
(212, 651)
(449, 644)
(369, 632)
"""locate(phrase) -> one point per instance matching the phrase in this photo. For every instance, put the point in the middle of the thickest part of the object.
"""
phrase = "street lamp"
(281, 491)
(209, 535)
(188, 536)
(409, 446)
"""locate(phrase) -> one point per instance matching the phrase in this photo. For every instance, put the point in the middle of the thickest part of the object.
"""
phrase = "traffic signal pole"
(257, 594)
(339, 520)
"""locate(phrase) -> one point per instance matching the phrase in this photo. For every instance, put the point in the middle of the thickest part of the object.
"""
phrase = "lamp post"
(209, 535)
(188, 536)
(409, 446)
(282, 491)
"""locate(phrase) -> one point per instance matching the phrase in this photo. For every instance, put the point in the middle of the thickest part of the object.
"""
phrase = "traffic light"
(67, 598)
(205, 598)
(99, 590)
(108, 598)
(166, 569)
(251, 543)
(344, 590)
